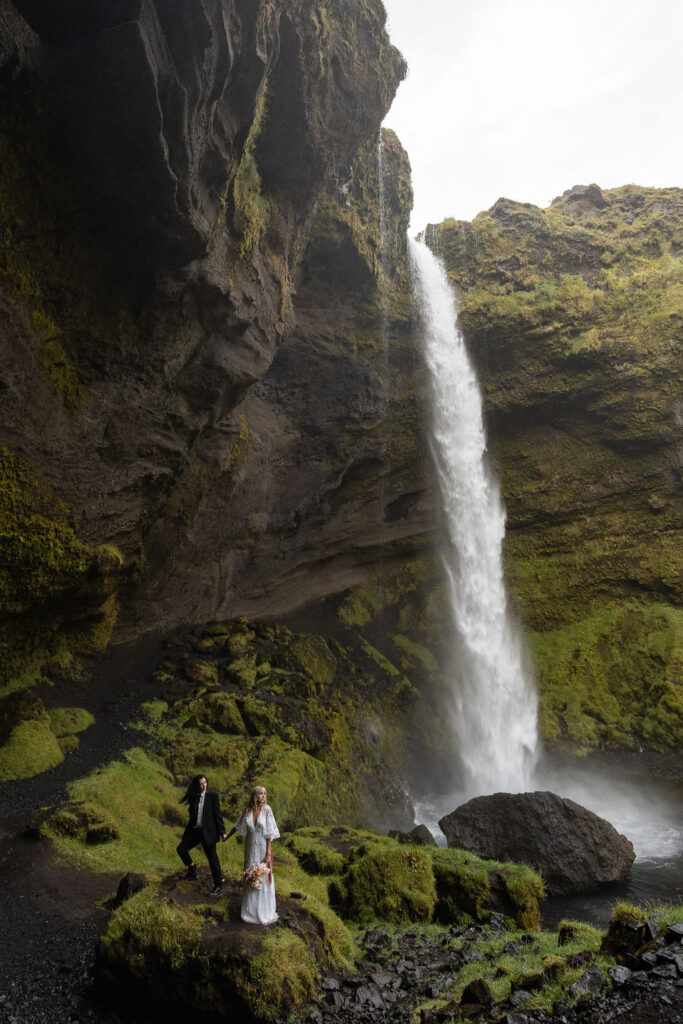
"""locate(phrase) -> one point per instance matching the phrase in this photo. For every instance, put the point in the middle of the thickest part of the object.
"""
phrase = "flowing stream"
(494, 696)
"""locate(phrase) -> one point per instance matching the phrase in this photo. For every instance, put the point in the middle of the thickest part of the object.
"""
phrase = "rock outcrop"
(573, 849)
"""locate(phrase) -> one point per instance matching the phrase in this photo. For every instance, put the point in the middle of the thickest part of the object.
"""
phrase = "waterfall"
(494, 698)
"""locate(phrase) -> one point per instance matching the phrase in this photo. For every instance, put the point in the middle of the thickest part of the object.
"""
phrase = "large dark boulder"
(573, 849)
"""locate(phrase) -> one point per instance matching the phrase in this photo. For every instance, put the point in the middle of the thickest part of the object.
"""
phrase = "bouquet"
(254, 876)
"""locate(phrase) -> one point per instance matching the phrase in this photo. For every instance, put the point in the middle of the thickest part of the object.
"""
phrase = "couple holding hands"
(256, 823)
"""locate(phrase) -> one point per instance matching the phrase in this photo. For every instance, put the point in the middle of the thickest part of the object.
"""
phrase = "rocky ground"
(394, 975)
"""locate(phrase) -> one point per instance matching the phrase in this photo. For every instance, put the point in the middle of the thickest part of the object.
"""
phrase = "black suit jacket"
(212, 819)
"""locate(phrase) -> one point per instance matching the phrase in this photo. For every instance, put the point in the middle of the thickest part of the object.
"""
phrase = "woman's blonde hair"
(251, 802)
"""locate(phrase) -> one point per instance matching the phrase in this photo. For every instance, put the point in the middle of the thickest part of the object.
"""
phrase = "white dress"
(258, 905)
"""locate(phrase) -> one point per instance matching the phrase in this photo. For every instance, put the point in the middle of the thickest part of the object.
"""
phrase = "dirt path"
(49, 915)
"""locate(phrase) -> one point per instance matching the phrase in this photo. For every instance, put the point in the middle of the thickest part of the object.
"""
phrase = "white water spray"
(495, 698)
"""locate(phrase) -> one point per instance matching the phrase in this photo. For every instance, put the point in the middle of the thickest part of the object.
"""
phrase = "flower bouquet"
(254, 876)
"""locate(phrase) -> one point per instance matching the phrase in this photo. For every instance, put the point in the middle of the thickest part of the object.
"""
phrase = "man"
(205, 826)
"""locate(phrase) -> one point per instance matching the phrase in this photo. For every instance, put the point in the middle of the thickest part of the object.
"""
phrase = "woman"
(257, 824)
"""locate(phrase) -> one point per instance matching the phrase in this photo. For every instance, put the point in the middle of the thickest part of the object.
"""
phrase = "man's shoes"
(190, 874)
(215, 892)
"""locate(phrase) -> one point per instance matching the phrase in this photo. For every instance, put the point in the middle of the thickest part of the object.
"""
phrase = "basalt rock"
(573, 849)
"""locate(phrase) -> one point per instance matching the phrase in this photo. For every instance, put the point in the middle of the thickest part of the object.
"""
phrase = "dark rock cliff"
(162, 170)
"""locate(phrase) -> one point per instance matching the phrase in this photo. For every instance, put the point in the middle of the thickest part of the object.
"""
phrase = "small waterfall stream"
(494, 705)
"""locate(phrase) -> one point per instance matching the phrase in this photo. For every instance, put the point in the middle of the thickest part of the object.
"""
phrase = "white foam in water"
(494, 697)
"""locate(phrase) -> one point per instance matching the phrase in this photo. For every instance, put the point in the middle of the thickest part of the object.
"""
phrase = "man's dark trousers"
(208, 834)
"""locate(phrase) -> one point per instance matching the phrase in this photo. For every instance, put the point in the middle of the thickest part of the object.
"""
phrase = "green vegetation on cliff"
(574, 316)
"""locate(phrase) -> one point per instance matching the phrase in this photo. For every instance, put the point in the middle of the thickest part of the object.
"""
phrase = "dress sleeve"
(270, 830)
(241, 824)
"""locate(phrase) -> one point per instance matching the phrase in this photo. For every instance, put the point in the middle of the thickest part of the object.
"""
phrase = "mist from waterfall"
(494, 696)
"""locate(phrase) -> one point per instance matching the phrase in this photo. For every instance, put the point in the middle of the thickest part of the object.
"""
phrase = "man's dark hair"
(193, 790)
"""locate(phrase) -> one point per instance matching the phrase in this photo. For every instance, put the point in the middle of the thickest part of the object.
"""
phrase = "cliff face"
(574, 315)
(154, 212)
(213, 396)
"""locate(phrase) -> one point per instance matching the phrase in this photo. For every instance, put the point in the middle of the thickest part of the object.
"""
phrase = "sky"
(526, 98)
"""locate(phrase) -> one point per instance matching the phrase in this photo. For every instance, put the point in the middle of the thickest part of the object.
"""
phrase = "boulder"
(131, 883)
(573, 849)
(418, 836)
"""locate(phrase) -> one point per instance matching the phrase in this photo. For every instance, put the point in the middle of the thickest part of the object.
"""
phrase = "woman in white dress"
(257, 824)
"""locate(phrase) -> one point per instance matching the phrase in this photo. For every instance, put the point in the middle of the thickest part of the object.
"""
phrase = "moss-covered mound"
(376, 878)
(323, 727)
(169, 947)
(574, 316)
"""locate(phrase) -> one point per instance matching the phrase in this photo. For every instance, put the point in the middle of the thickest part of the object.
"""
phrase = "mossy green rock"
(169, 946)
(574, 316)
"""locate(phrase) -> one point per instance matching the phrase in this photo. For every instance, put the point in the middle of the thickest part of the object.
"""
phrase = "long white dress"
(258, 905)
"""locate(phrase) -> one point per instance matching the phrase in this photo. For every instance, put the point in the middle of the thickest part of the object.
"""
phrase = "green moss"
(614, 678)
(201, 672)
(128, 794)
(157, 926)
(415, 653)
(361, 606)
(284, 969)
(316, 857)
(463, 884)
(379, 658)
(63, 375)
(40, 553)
(253, 210)
(31, 747)
(388, 883)
(311, 655)
(67, 721)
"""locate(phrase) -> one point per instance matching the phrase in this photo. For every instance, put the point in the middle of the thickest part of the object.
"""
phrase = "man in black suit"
(205, 826)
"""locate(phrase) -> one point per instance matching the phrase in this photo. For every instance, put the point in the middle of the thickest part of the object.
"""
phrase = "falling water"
(494, 704)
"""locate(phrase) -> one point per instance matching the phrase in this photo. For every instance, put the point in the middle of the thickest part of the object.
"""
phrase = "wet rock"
(528, 982)
(591, 982)
(131, 883)
(477, 991)
(566, 934)
(620, 975)
(419, 836)
(574, 849)
(520, 997)
(666, 971)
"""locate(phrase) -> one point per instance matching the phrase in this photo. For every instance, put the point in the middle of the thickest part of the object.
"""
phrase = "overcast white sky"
(525, 98)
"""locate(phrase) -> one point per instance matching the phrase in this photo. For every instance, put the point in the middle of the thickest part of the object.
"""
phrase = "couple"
(256, 823)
